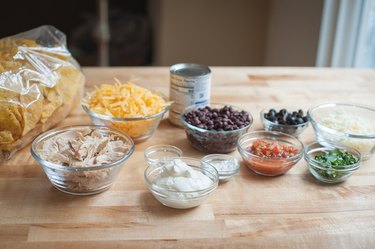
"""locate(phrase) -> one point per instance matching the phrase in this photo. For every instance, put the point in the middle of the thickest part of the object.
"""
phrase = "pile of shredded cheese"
(347, 123)
(125, 101)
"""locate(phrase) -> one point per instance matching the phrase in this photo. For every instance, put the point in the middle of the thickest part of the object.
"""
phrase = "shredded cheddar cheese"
(125, 101)
(128, 101)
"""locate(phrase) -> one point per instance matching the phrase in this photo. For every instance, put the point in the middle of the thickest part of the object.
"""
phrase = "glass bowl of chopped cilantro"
(331, 164)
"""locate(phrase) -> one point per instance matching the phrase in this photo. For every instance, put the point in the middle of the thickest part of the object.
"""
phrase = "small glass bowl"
(139, 129)
(268, 166)
(212, 141)
(364, 143)
(329, 175)
(294, 130)
(226, 165)
(85, 180)
(182, 199)
(162, 152)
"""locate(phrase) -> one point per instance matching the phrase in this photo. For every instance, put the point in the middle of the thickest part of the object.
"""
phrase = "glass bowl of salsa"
(269, 153)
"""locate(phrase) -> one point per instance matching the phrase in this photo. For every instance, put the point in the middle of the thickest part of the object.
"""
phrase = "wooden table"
(250, 211)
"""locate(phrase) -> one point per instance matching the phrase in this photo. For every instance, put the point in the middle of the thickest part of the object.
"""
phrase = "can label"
(190, 84)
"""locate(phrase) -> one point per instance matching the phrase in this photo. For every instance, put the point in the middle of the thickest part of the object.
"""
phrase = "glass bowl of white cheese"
(345, 125)
(226, 165)
(182, 182)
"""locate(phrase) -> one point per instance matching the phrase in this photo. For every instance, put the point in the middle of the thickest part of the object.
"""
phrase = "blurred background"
(326, 33)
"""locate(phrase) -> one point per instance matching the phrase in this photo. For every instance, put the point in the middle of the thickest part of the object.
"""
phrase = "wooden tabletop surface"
(249, 211)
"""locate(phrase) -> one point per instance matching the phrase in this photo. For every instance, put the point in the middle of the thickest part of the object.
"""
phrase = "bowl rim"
(311, 162)
(266, 121)
(214, 156)
(196, 106)
(150, 169)
(244, 152)
(148, 149)
(112, 118)
(52, 132)
(315, 124)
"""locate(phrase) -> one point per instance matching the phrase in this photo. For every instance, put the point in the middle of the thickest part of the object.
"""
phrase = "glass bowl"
(81, 180)
(171, 196)
(269, 166)
(294, 130)
(138, 128)
(212, 141)
(162, 152)
(226, 165)
(345, 125)
(329, 174)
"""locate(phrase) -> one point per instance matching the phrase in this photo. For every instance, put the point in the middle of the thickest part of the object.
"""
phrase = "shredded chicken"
(84, 148)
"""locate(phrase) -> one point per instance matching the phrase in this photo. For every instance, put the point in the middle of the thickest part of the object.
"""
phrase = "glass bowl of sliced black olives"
(292, 123)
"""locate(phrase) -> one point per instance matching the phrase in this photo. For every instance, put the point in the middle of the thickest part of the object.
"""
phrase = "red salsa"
(272, 149)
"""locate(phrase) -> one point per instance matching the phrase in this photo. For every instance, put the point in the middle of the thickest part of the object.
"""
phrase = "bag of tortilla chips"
(40, 83)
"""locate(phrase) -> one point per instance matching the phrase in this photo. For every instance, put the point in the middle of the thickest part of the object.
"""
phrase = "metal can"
(190, 84)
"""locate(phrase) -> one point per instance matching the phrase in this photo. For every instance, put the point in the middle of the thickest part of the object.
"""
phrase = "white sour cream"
(177, 183)
(178, 176)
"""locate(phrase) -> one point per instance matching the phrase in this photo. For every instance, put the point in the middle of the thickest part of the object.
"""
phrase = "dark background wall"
(131, 42)
(164, 32)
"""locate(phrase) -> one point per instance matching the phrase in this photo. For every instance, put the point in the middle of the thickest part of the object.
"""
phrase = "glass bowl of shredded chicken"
(82, 160)
(130, 108)
(345, 125)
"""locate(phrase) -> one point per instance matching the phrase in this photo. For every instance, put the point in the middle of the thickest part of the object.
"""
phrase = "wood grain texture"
(249, 211)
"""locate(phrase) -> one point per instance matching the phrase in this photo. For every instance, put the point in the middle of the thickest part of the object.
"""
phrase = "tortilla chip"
(9, 121)
(31, 115)
(6, 137)
(51, 102)
(67, 85)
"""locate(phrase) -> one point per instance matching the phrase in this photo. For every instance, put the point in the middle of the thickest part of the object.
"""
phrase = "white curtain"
(347, 34)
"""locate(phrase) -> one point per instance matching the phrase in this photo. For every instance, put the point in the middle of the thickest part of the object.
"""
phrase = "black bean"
(225, 118)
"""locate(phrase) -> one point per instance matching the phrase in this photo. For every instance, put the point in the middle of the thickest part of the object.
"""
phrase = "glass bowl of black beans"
(292, 123)
(215, 128)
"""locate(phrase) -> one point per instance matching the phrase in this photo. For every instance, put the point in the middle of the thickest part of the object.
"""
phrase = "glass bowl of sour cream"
(182, 182)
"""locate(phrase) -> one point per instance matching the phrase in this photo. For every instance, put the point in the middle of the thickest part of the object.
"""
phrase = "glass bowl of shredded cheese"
(345, 125)
(132, 109)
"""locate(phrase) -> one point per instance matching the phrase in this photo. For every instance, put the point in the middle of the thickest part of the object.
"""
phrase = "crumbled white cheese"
(348, 123)
(224, 165)
(351, 124)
